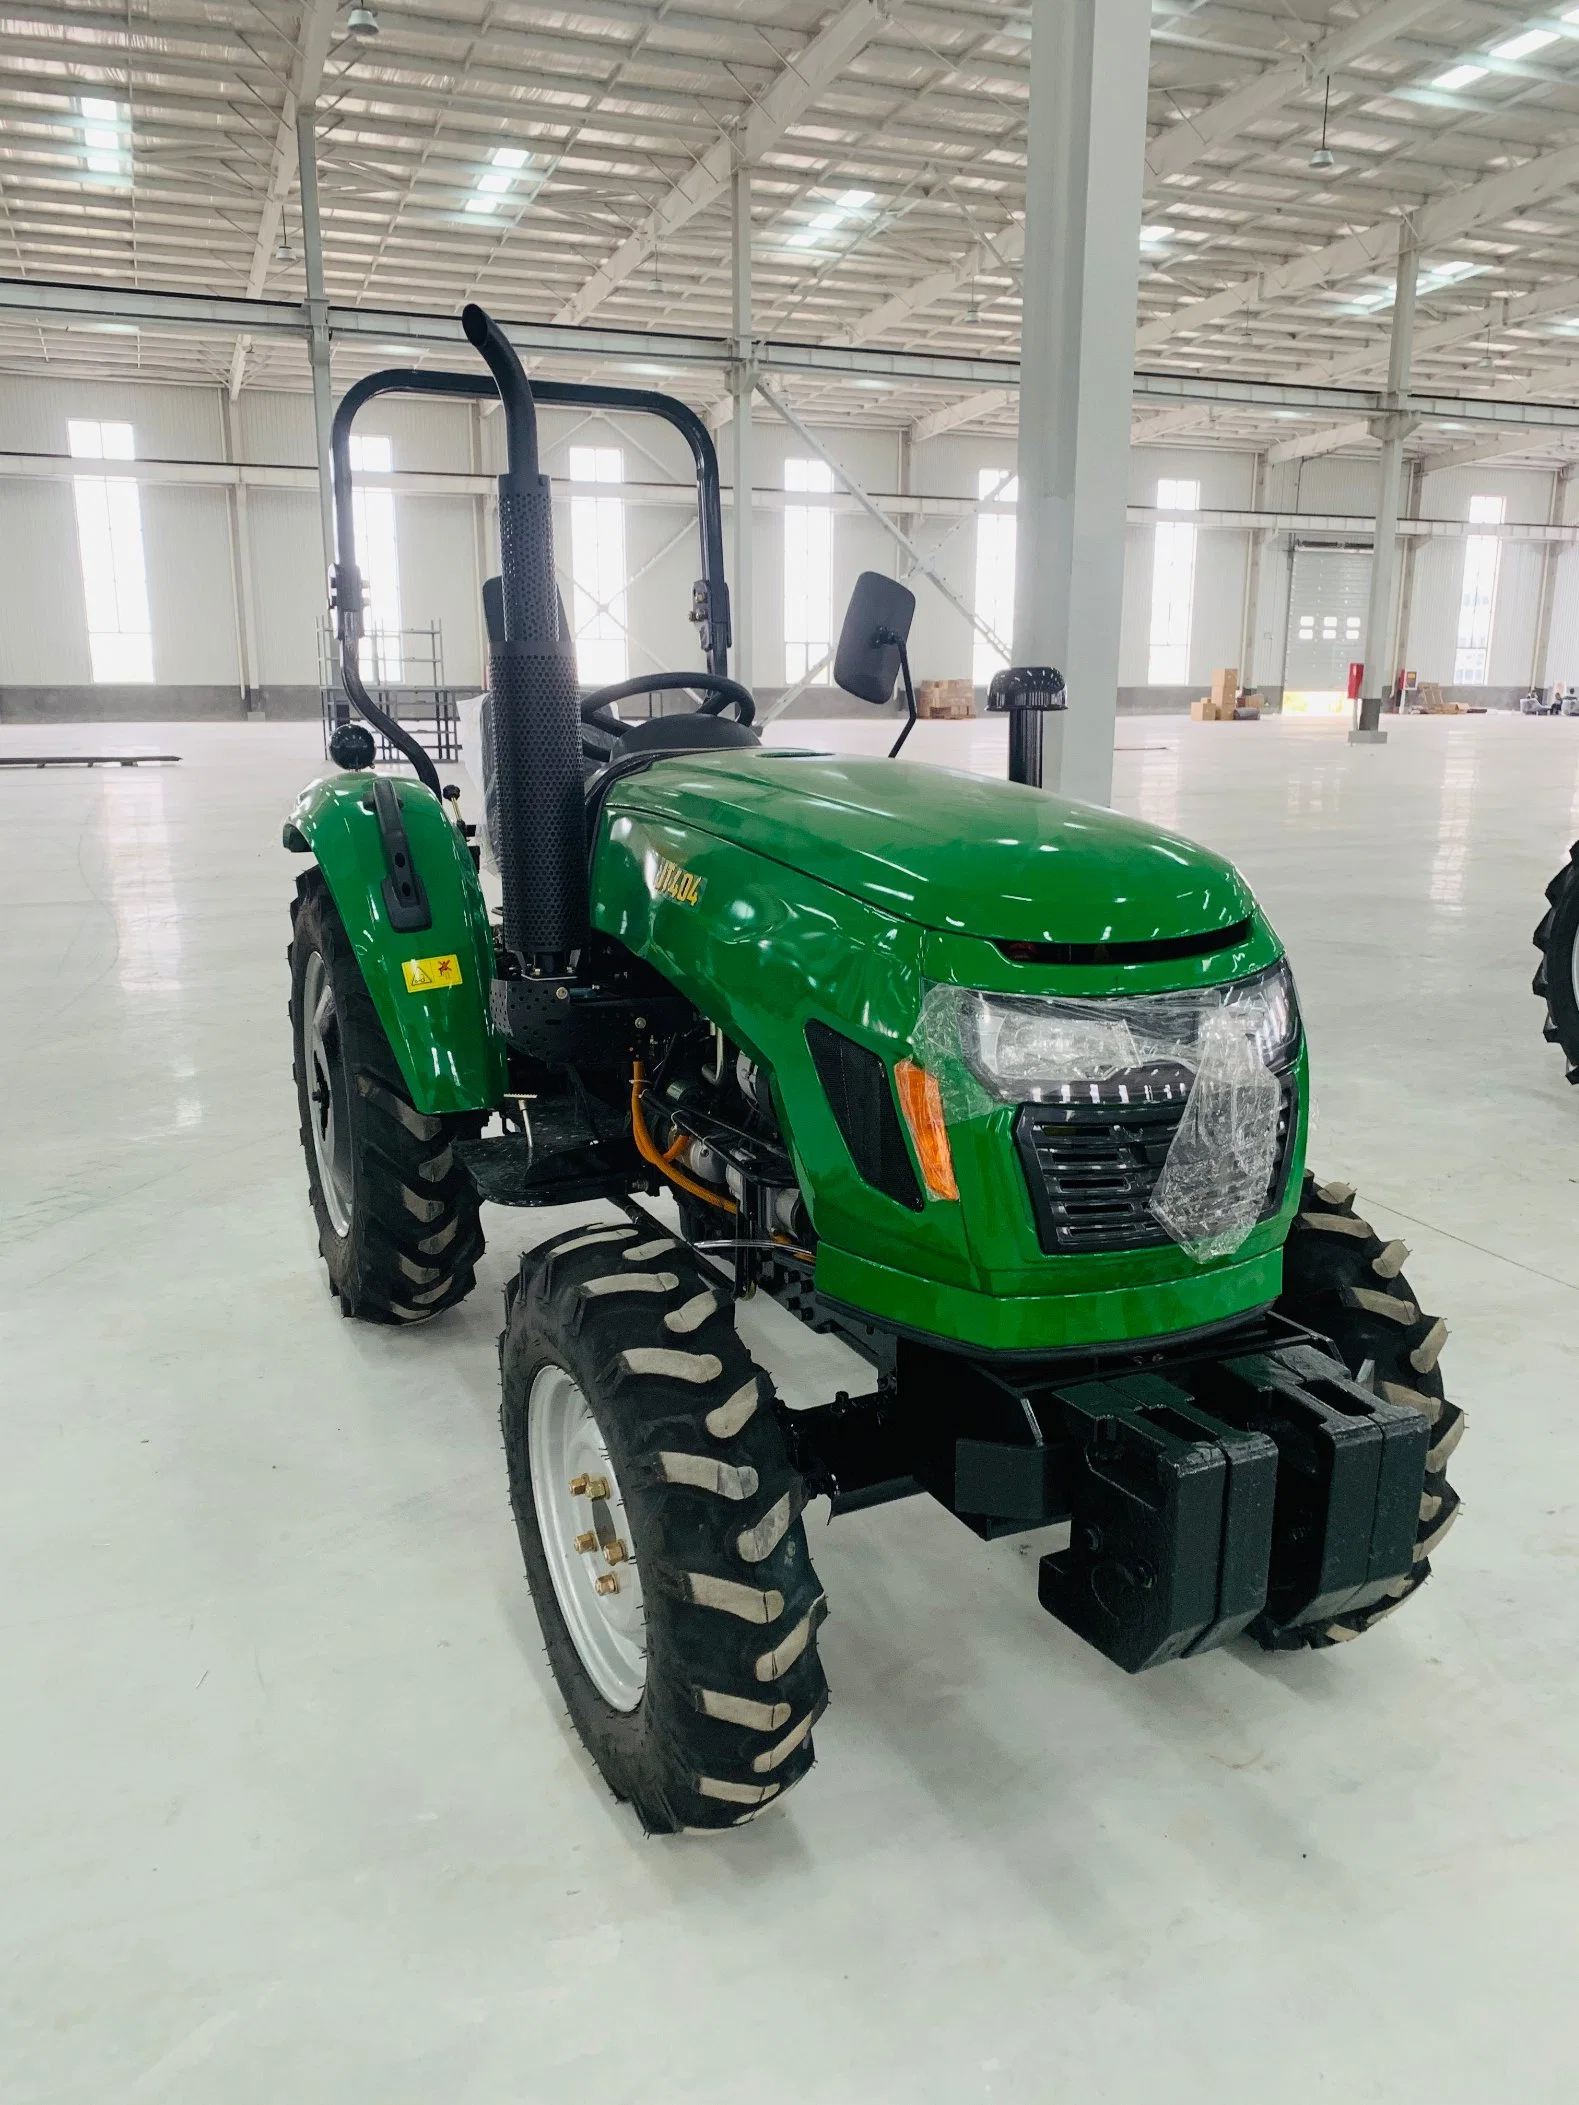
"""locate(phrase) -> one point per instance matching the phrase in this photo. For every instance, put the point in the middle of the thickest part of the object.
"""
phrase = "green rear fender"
(451, 1057)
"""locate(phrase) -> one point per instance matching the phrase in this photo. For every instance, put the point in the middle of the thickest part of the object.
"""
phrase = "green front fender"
(451, 1057)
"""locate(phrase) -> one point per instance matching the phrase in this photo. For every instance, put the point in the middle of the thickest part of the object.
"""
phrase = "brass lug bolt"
(587, 1541)
(606, 1583)
(578, 1487)
(595, 1486)
(615, 1552)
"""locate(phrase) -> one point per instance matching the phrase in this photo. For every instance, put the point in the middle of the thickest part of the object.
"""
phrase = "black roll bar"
(710, 610)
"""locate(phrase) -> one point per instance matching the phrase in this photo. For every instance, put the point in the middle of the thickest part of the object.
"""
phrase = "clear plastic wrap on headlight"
(1220, 1048)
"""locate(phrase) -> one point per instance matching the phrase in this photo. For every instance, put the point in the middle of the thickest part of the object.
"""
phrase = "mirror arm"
(910, 694)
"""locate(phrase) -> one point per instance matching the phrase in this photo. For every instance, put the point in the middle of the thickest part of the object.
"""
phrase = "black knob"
(352, 747)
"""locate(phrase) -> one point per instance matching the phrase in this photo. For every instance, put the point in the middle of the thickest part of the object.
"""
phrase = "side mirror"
(872, 641)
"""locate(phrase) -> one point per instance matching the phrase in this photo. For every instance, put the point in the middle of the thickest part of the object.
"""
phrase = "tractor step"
(560, 1161)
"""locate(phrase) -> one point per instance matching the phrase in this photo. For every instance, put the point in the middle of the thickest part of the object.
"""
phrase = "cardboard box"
(952, 700)
(1225, 688)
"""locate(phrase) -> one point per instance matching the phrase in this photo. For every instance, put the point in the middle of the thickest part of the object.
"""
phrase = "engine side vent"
(857, 1087)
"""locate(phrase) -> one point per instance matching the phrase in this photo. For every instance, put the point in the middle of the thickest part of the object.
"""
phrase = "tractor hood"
(953, 852)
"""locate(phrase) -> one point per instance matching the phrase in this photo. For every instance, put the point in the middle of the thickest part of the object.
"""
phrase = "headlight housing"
(1051, 1048)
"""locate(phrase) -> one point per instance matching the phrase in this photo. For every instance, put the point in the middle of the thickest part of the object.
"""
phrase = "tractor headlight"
(1029, 1048)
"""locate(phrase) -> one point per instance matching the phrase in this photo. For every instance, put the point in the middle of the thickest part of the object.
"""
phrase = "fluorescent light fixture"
(105, 138)
(834, 215)
(1522, 46)
(1459, 76)
(498, 179)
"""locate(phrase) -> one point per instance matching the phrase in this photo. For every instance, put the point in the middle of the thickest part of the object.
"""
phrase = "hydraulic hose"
(648, 1149)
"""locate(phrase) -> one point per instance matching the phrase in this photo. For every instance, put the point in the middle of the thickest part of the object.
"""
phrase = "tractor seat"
(684, 734)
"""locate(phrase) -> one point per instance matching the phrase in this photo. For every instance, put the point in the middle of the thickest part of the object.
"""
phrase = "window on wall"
(110, 542)
(808, 570)
(1478, 601)
(995, 554)
(598, 575)
(1173, 586)
(378, 559)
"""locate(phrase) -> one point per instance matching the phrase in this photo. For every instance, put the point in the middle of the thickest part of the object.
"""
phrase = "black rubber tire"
(733, 1681)
(1557, 975)
(414, 1237)
(1342, 1279)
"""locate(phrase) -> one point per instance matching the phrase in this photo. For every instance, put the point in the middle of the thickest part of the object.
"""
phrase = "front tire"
(1341, 1279)
(1557, 975)
(659, 1519)
(397, 1213)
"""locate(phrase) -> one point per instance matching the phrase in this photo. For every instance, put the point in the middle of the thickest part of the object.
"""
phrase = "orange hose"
(647, 1148)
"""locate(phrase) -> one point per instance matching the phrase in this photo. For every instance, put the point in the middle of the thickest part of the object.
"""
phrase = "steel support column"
(318, 327)
(1392, 429)
(1254, 544)
(1540, 656)
(1086, 157)
(241, 565)
(742, 382)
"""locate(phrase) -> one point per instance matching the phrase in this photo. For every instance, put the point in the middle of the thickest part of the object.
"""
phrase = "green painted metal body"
(449, 1053)
(840, 889)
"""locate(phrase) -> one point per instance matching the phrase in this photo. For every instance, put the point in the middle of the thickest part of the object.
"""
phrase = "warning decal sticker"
(423, 974)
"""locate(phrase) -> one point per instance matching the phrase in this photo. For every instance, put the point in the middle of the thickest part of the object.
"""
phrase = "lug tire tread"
(1331, 1284)
(683, 1758)
(386, 1269)
(1557, 938)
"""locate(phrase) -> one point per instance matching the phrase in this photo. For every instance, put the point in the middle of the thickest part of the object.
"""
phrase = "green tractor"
(1557, 975)
(1006, 1092)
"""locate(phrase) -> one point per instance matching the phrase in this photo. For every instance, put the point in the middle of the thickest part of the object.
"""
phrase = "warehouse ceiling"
(565, 164)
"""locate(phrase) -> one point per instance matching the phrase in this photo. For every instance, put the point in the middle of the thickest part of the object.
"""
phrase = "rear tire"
(397, 1213)
(1557, 975)
(693, 1678)
(1342, 1279)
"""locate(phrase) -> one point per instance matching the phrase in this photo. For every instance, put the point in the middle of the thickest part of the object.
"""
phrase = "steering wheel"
(602, 729)
(719, 692)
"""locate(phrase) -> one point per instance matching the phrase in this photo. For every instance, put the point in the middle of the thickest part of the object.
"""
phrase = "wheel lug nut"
(615, 1552)
(587, 1541)
(595, 1486)
(578, 1487)
(606, 1583)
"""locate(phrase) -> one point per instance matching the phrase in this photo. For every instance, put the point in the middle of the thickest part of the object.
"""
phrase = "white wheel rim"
(608, 1629)
(328, 1108)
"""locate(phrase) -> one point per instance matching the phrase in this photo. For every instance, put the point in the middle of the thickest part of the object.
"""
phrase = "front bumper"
(1243, 1482)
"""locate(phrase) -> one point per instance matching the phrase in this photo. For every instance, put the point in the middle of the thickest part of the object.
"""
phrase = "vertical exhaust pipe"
(536, 707)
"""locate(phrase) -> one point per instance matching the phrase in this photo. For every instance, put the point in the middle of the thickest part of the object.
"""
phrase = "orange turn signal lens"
(922, 1103)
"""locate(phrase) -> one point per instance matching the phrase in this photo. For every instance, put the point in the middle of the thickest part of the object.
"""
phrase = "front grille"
(1092, 1162)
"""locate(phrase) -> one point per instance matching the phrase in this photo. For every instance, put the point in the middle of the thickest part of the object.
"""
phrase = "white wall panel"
(43, 625)
(168, 423)
(1562, 663)
(191, 596)
(287, 575)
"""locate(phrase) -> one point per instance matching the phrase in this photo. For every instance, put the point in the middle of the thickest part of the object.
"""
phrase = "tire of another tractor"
(1557, 975)
(659, 1519)
(397, 1213)
(1342, 1279)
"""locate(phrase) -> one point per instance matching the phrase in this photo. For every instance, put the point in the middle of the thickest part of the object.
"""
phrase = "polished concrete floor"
(289, 1809)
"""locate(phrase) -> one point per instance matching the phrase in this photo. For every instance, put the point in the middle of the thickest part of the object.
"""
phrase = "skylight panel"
(1522, 46)
(106, 138)
(505, 174)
